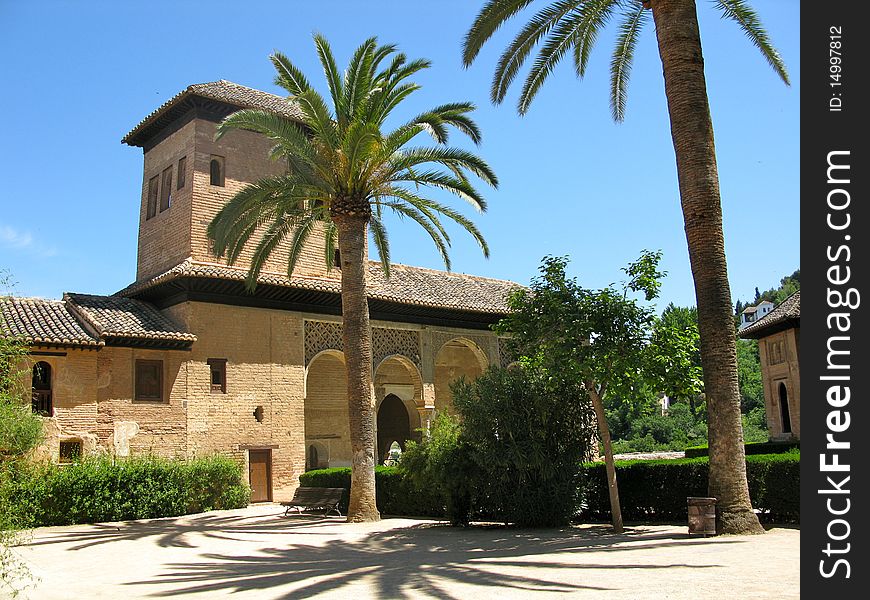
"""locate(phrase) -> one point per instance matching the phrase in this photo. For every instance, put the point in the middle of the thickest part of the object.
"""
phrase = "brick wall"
(164, 240)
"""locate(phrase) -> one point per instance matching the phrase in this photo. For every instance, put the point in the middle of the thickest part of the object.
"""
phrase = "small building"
(751, 314)
(778, 335)
(185, 361)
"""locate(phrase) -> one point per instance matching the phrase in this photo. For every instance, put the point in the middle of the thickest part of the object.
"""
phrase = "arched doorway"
(327, 428)
(456, 359)
(784, 416)
(394, 425)
(41, 384)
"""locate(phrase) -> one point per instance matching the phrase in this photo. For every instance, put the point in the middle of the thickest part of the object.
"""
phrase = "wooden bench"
(311, 498)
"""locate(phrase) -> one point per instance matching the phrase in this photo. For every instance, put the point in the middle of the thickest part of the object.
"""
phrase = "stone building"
(185, 362)
(778, 335)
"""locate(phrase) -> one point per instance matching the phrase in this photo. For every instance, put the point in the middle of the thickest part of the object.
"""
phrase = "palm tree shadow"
(421, 559)
(179, 532)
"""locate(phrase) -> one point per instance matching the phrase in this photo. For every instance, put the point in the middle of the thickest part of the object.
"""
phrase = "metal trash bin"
(702, 516)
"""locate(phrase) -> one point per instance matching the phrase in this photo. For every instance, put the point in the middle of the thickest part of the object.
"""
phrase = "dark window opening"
(166, 189)
(258, 414)
(41, 384)
(336, 258)
(70, 451)
(312, 458)
(149, 380)
(151, 208)
(785, 417)
(181, 178)
(216, 171)
(218, 367)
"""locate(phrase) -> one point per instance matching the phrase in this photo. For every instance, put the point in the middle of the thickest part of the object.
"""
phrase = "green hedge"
(99, 490)
(395, 494)
(657, 490)
(649, 490)
(750, 449)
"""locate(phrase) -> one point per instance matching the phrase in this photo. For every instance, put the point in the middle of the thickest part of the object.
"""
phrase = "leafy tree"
(598, 337)
(344, 170)
(749, 374)
(674, 357)
(20, 432)
(563, 25)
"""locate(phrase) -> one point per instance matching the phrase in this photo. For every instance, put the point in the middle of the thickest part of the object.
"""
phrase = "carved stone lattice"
(405, 342)
(439, 338)
(320, 336)
(505, 355)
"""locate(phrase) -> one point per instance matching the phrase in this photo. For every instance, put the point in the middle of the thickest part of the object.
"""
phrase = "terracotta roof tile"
(221, 91)
(114, 317)
(406, 285)
(38, 321)
(788, 310)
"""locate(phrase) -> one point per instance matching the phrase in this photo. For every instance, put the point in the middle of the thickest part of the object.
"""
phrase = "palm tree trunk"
(357, 340)
(609, 466)
(679, 44)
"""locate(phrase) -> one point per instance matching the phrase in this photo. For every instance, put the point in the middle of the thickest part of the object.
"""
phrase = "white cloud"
(23, 240)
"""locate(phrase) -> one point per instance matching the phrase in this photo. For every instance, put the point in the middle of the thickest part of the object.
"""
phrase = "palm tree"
(343, 173)
(564, 25)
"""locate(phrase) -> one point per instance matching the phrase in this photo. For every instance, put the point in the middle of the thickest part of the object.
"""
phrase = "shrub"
(750, 449)
(443, 466)
(526, 431)
(97, 490)
(656, 490)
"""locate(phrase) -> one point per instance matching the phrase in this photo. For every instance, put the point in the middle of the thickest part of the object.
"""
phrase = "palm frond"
(332, 74)
(596, 14)
(449, 183)
(633, 21)
(450, 157)
(330, 239)
(318, 117)
(748, 20)
(269, 241)
(513, 58)
(382, 243)
(490, 18)
(455, 115)
(288, 75)
(356, 82)
(421, 219)
(297, 240)
(579, 28)
(428, 206)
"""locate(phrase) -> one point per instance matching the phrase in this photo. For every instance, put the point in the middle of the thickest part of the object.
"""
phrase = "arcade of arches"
(406, 400)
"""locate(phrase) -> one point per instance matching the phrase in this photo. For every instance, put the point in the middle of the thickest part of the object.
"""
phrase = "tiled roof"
(114, 317)
(779, 318)
(407, 285)
(221, 91)
(81, 320)
(38, 321)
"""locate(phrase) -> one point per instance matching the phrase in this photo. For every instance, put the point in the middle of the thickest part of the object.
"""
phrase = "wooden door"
(260, 475)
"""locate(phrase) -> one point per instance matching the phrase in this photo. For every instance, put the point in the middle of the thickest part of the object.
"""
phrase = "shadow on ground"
(401, 562)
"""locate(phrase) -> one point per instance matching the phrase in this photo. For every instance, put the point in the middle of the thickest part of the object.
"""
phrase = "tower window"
(218, 368)
(216, 171)
(151, 208)
(166, 189)
(182, 173)
(336, 258)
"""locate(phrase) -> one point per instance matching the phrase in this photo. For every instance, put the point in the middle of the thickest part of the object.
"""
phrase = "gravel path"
(256, 553)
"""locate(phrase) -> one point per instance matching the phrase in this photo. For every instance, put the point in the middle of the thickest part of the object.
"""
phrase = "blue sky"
(77, 76)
